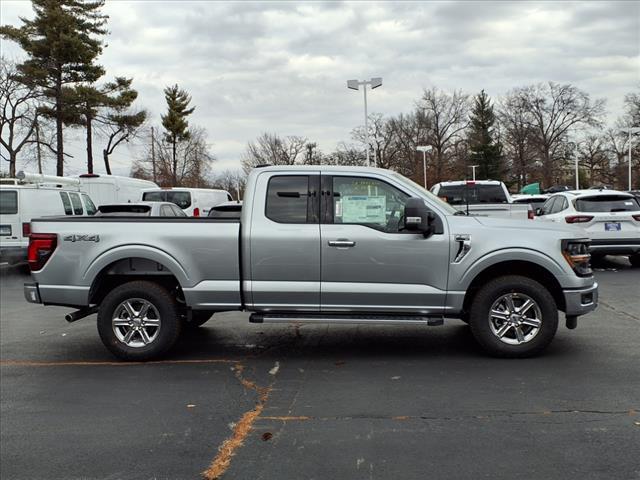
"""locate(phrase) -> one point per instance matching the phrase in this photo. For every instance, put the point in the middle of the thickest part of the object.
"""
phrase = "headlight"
(576, 252)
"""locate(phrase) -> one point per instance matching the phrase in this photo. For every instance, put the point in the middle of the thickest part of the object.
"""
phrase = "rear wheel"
(635, 260)
(138, 321)
(513, 316)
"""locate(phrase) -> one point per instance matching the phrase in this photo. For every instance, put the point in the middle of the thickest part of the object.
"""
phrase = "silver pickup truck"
(319, 245)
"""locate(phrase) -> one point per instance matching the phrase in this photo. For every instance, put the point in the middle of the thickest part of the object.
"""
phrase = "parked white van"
(195, 202)
(20, 202)
(110, 189)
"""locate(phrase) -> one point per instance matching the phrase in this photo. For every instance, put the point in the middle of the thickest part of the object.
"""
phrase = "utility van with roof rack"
(35, 196)
(316, 244)
(482, 197)
(111, 189)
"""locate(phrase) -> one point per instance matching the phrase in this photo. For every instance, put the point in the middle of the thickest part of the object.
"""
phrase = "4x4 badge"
(82, 238)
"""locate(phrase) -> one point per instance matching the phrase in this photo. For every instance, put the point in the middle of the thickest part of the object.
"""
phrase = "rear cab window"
(288, 200)
(8, 202)
(458, 194)
(607, 203)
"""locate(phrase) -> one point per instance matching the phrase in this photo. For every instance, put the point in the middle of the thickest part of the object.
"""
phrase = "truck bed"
(190, 249)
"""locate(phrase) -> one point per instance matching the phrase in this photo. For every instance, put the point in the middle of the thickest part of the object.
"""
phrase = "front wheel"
(138, 321)
(513, 316)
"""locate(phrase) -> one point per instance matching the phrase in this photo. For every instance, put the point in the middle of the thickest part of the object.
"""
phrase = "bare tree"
(233, 181)
(592, 154)
(272, 149)
(347, 155)
(446, 117)
(381, 140)
(190, 168)
(556, 111)
(19, 104)
(517, 137)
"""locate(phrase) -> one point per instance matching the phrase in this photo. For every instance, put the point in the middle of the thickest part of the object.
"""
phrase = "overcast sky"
(282, 67)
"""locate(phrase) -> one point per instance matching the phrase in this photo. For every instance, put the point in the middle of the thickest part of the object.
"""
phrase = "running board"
(346, 319)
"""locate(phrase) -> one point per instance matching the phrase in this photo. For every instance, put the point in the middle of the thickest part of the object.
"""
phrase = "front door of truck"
(285, 243)
(369, 263)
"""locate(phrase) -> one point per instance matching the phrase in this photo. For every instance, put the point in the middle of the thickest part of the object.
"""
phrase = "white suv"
(611, 218)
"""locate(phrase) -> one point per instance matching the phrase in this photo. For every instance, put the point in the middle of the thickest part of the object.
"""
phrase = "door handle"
(341, 243)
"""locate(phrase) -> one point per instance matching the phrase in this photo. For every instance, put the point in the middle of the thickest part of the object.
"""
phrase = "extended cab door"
(285, 243)
(369, 263)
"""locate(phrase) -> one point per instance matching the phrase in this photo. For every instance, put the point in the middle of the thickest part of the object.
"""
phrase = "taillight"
(530, 214)
(26, 229)
(578, 218)
(576, 252)
(196, 212)
(41, 247)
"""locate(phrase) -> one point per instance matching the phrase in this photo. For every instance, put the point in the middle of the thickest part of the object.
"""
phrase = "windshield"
(426, 193)
(181, 199)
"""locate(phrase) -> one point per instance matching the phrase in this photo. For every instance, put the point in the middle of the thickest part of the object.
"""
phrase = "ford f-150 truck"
(482, 197)
(317, 244)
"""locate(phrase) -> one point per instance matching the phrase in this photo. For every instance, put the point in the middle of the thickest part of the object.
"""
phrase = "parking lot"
(253, 401)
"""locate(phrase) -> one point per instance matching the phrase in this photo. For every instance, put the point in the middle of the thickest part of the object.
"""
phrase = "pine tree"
(175, 121)
(485, 150)
(84, 102)
(119, 121)
(62, 43)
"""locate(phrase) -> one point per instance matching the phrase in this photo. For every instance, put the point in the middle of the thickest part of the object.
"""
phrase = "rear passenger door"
(284, 242)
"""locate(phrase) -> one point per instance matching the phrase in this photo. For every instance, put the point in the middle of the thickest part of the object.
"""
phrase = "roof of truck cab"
(455, 183)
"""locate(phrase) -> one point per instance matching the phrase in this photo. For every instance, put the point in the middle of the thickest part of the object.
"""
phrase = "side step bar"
(341, 318)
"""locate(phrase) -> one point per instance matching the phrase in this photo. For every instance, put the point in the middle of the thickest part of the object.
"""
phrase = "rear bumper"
(581, 301)
(615, 247)
(13, 254)
(31, 293)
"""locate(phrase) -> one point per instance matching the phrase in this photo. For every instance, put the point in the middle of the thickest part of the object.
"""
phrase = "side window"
(548, 205)
(177, 211)
(89, 207)
(564, 205)
(557, 206)
(66, 203)
(77, 204)
(367, 201)
(288, 200)
(167, 211)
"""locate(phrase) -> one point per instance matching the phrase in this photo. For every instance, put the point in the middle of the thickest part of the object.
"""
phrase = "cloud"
(282, 67)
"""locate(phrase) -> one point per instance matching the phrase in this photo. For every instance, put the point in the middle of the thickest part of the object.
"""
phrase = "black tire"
(198, 318)
(166, 313)
(634, 260)
(518, 289)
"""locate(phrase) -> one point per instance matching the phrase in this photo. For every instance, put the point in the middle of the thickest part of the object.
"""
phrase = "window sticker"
(364, 209)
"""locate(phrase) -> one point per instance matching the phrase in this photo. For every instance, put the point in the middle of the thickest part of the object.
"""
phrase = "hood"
(517, 224)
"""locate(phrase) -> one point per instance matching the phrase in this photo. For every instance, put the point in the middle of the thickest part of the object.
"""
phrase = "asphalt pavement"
(245, 401)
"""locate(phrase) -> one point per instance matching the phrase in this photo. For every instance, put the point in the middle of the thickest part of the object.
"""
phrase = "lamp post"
(630, 130)
(355, 85)
(473, 167)
(424, 149)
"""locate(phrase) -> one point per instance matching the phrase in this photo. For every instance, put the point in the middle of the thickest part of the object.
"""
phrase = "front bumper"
(581, 301)
(13, 255)
(31, 293)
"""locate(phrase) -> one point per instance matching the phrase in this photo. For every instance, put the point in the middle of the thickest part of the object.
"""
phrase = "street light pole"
(630, 130)
(577, 175)
(424, 149)
(473, 167)
(355, 85)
